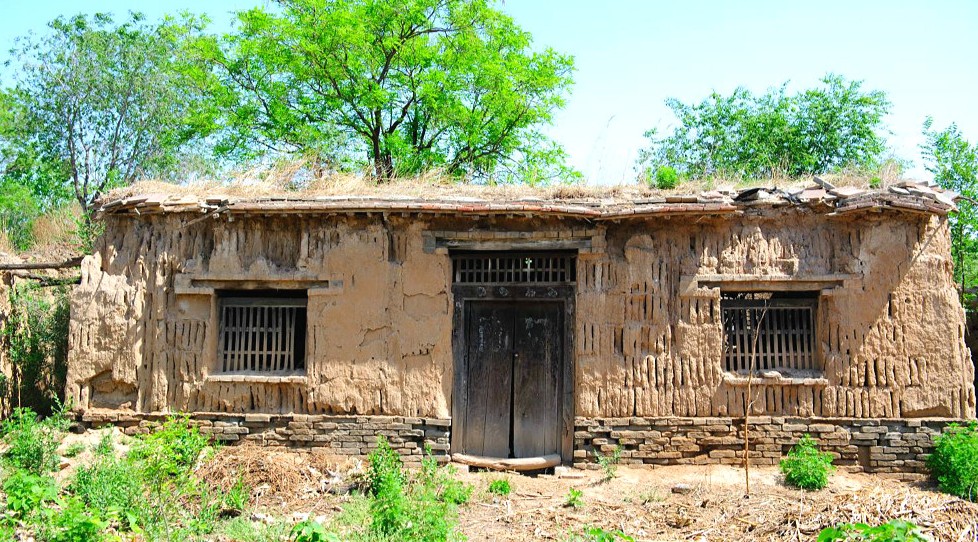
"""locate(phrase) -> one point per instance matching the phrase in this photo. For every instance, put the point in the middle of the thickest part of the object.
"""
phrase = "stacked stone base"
(340, 435)
(893, 446)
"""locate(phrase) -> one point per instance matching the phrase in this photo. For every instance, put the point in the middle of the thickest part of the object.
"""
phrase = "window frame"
(793, 348)
(274, 310)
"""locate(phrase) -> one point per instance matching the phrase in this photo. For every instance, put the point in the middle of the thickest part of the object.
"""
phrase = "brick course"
(897, 447)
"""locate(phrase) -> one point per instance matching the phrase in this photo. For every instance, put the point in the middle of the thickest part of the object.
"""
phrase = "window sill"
(775, 378)
(256, 378)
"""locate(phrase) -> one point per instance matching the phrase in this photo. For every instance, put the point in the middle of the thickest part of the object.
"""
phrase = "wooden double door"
(512, 378)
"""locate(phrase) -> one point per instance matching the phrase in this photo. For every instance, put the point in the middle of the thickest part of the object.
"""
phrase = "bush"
(32, 443)
(891, 531)
(500, 486)
(73, 523)
(806, 467)
(666, 178)
(575, 498)
(954, 463)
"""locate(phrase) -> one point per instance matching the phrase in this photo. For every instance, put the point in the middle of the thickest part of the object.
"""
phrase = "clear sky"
(631, 55)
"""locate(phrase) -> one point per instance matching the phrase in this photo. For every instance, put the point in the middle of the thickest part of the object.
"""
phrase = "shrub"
(954, 463)
(891, 531)
(666, 178)
(805, 466)
(597, 534)
(74, 449)
(609, 463)
(32, 443)
(500, 486)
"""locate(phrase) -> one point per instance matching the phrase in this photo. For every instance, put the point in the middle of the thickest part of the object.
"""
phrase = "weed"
(105, 446)
(241, 529)
(32, 444)
(74, 449)
(73, 523)
(650, 496)
(441, 481)
(500, 486)
(170, 451)
(875, 182)
(806, 467)
(311, 531)
(896, 530)
(237, 497)
(26, 492)
(954, 463)
(666, 178)
(597, 534)
(609, 463)
(575, 498)
(111, 487)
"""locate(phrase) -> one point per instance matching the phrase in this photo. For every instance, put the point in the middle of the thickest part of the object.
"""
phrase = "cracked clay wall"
(648, 339)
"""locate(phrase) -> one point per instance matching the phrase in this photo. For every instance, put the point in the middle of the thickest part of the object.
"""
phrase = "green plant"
(500, 486)
(666, 177)
(875, 182)
(895, 530)
(171, 450)
(36, 331)
(26, 492)
(237, 497)
(597, 534)
(74, 449)
(805, 466)
(73, 523)
(575, 498)
(311, 531)
(242, 529)
(32, 444)
(609, 463)
(110, 486)
(954, 462)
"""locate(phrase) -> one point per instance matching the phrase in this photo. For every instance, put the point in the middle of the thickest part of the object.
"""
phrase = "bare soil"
(639, 501)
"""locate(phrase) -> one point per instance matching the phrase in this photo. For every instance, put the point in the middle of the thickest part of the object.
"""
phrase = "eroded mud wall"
(648, 335)
(890, 334)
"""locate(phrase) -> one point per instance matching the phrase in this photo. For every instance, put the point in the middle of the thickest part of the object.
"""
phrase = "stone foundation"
(894, 446)
(876, 445)
(343, 435)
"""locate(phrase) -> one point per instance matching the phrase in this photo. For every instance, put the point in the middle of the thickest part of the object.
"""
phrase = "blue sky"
(631, 55)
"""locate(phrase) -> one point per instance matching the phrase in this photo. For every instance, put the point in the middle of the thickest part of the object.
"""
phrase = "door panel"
(538, 348)
(489, 385)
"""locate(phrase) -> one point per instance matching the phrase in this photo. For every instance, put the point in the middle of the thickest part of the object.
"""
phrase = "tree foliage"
(954, 163)
(97, 103)
(834, 126)
(402, 87)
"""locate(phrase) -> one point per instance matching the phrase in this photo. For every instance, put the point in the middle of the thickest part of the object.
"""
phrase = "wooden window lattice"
(262, 334)
(514, 268)
(777, 333)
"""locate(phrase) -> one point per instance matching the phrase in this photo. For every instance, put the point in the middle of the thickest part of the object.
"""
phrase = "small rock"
(262, 518)
(682, 489)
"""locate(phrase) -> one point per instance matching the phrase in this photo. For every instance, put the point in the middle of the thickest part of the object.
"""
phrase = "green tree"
(401, 87)
(834, 126)
(98, 104)
(954, 163)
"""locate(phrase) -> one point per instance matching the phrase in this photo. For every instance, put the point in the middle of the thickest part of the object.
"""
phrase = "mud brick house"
(548, 325)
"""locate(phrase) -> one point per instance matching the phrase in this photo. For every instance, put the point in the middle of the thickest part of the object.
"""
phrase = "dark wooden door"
(513, 362)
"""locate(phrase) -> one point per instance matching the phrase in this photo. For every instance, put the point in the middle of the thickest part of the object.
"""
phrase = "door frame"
(564, 294)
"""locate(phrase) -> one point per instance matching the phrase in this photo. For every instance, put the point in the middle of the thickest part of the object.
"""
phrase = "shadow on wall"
(971, 337)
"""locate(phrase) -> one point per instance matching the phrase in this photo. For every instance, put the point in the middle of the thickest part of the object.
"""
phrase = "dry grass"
(292, 180)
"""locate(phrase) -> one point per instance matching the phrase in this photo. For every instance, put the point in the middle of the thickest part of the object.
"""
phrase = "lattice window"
(262, 331)
(771, 331)
(514, 268)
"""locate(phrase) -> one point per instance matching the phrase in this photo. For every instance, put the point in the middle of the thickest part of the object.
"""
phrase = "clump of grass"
(500, 486)
(806, 467)
(74, 449)
(32, 444)
(954, 463)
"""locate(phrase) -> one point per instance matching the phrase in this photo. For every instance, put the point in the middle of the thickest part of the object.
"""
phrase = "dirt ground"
(639, 501)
